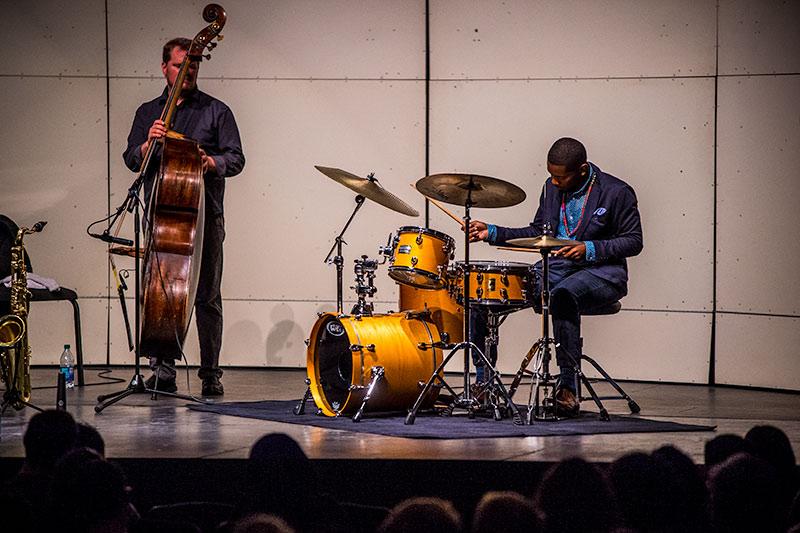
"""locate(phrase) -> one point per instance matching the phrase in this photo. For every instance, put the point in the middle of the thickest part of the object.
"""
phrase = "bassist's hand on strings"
(156, 131)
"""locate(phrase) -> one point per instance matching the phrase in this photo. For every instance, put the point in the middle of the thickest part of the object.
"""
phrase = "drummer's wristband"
(590, 253)
(492, 233)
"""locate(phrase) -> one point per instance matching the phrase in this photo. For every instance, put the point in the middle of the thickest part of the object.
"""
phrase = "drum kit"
(395, 361)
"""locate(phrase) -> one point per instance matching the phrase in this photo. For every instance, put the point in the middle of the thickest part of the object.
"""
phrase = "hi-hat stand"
(466, 400)
(541, 399)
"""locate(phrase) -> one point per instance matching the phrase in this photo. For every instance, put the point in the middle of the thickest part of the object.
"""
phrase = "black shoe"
(212, 386)
(567, 404)
(164, 385)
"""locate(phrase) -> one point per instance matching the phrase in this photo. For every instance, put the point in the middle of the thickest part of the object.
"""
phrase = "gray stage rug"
(430, 426)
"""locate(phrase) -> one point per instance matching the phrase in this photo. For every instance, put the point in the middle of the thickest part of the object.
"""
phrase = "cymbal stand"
(466, 400)
(338, 260)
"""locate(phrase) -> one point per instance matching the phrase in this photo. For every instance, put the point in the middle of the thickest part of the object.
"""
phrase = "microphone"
(105, 237)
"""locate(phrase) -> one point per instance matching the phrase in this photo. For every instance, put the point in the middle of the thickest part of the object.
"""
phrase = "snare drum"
(492, 283)
(343, 350)
(446, 313)
(420, 257)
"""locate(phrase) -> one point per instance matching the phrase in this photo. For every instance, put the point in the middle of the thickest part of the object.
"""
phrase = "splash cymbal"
(369, 188)
(481, 191)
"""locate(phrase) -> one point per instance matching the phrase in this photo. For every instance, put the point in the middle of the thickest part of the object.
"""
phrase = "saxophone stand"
(13, 397)
(466, 400)
(137, 383)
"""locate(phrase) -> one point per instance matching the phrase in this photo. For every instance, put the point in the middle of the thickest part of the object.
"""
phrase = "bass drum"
(446, 313)
(342, 351)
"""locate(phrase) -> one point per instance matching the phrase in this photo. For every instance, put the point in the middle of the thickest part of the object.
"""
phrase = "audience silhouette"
(750, 484)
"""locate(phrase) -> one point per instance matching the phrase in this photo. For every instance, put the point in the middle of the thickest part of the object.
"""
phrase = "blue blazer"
(611, 221)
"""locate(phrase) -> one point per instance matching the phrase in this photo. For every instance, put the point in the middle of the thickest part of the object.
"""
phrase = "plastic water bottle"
(67, 366)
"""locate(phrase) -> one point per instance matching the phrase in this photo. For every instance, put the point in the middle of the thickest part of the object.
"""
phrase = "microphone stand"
(137, 383)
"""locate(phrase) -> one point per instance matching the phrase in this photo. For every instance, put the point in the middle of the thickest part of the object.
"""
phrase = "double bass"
(175, 215)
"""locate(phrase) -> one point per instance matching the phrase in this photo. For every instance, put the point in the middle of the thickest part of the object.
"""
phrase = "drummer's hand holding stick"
(478, 231)
(576, 252)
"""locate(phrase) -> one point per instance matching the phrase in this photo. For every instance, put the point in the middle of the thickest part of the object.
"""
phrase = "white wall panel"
(650, 346)
(758, 351)
(759, 146)
(520, 39)
(282, 38)
(655, 134)
(630, 345)
(758, 36)
(51, 37)
(57, 172)
(282, 215)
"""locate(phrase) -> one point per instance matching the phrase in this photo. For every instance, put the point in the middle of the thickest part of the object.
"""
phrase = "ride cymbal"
(542, 242)
(369, 188)
(481, 191)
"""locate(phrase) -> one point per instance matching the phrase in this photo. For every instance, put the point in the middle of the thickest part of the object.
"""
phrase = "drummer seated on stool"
(585, 204)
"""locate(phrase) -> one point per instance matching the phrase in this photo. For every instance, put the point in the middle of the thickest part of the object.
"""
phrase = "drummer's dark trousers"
(571, 295)
(207, 306)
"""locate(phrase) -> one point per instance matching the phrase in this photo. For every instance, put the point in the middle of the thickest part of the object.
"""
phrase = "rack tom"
(420, 257)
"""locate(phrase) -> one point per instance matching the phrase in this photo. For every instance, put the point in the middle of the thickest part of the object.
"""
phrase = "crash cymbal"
(482, 191)
(369, 188)
(542, 242)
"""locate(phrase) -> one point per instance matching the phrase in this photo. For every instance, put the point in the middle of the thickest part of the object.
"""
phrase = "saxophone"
(15, 353)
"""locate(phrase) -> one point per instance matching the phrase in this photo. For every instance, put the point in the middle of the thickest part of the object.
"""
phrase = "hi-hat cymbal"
(482, 191)
(369, 188)
(542, 242)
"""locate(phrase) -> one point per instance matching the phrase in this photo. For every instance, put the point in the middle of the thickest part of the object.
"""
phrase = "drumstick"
(440, 206)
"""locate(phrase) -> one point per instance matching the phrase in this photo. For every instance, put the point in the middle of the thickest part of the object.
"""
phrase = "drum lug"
(414, 261)
(359, 347)
(424, 314)
(492, 284)
(504, 295)
(479, 293)
(418, 240)
(307, 342)
(479, 278)
(504, 278)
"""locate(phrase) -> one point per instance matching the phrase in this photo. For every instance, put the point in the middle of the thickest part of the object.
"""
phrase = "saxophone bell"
(12, 328)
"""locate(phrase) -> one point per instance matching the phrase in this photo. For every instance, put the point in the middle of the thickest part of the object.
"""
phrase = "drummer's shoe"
(163, 385)
(567, 404)
(212, 386)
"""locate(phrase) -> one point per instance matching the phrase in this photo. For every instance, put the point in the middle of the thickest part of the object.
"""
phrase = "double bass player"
(210, 122)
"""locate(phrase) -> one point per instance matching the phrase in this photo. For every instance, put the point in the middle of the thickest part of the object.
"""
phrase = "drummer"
(580, 202)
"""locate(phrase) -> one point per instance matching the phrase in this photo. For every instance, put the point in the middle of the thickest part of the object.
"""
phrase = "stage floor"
(139, 427)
